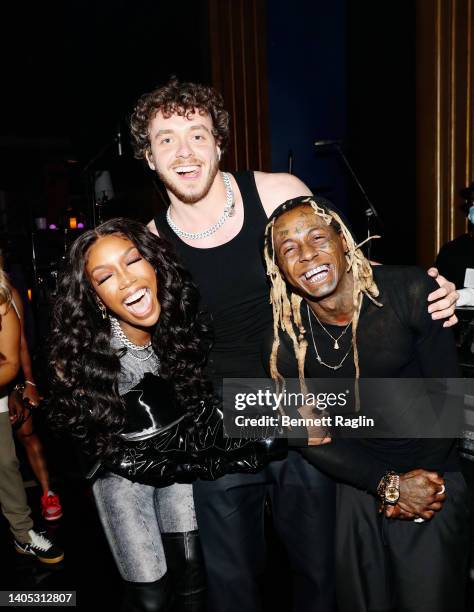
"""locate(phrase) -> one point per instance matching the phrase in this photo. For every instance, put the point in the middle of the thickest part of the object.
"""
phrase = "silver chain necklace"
(228, 212)
(318, 356)
(118, 333)
(336, 340)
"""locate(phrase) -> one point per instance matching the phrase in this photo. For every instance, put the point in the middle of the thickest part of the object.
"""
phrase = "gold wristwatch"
(389, 488)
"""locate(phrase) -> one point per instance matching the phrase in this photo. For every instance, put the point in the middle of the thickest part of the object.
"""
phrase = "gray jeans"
(134, 516)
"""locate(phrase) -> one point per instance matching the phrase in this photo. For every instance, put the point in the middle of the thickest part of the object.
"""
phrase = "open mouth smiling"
(188, 171)
(316, 275)
(139, 302)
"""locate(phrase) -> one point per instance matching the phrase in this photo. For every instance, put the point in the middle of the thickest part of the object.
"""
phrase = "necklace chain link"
(336, 340)
(318, 356)
(118, 333)
(228, 212)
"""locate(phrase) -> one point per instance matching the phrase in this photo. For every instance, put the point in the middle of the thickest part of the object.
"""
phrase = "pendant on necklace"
(336, 344)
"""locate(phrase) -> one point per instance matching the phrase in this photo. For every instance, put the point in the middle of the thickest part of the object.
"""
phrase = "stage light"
(52, 226)
(72, 222)
(80, 226)
(30, 294)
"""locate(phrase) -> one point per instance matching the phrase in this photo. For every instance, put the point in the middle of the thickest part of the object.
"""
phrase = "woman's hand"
(317, 435)
(317, 440)
(421, 495)
(17, 409)
(443, 300)
(31, 394)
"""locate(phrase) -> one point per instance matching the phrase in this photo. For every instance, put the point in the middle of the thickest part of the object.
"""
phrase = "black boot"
(148, 596)
(186, 568)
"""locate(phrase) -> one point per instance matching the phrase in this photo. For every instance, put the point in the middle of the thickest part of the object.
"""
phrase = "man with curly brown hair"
(216, 221)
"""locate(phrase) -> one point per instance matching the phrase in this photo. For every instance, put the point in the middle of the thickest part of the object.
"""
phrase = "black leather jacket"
(164, 444)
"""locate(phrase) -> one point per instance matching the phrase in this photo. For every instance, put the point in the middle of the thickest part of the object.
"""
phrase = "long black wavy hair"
(84, 368)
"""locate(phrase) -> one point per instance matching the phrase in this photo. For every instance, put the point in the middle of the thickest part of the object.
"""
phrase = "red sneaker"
(50, 507)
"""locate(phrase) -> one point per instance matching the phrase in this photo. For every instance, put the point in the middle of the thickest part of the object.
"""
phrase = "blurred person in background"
(27, 540)
(457, 255)
(24, 429)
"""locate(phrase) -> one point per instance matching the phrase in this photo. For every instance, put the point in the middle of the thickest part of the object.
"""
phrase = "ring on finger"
(442, 490)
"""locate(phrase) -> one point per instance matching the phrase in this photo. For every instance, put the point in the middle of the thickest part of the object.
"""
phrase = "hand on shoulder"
(275, 188)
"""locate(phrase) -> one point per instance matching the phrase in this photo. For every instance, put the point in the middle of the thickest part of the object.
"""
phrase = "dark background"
(71, 72)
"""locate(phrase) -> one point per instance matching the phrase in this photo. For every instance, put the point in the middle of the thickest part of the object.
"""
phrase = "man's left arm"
(274, 188)
(435, 346)
(422, 492)
(31, 391)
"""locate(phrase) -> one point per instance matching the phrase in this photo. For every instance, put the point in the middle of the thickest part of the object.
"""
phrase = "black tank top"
(233, 286)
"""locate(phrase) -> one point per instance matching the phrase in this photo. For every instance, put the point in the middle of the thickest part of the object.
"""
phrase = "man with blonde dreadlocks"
(335, 315)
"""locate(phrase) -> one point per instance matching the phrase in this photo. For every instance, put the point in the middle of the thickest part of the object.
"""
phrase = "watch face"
(392, 494)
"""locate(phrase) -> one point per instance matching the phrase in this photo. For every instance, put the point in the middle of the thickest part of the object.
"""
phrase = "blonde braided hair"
(287, 310)
(5, 290)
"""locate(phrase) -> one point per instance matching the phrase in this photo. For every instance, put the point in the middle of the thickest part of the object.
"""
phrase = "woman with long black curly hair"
(118, 282)
(128, 348)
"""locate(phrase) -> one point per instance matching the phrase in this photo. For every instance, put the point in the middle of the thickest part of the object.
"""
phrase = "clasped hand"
(422, 494)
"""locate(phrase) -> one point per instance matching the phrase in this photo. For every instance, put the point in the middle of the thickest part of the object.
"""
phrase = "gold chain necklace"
(336, 340)
(318, 356)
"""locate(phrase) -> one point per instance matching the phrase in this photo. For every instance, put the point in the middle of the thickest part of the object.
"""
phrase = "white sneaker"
(40, 547)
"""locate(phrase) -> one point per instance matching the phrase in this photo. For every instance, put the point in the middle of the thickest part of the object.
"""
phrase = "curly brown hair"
(181, 99)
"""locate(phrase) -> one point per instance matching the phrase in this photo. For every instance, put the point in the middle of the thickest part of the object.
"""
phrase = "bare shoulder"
(274, 188)
(10, 324)
(152, 227)
(16, 297)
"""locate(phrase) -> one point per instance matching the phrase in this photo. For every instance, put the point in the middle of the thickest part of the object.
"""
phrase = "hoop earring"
(102, 309)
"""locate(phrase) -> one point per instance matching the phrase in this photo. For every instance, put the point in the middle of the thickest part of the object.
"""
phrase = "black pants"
(230, 516)
(390, 565)
(467, 466)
